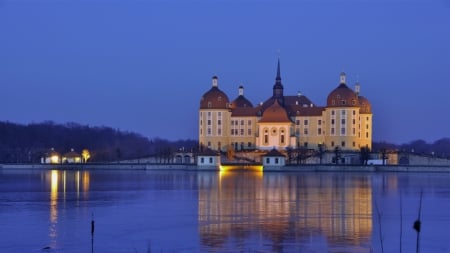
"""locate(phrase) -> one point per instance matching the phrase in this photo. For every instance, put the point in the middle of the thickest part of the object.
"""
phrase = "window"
(354, 121)
(332, 121)
(332, 102)
(210, 160)
(343, 144)
(332, 131)
(354, 144)
(305, 122)
(332, 143)
(219, 114)
(297, 122)
(219, 131)
(201, 122)
(249, 122)
(343, 112)
(305, 131)
(209, 105)
(343, 102)
(209, 122)
(267, 160)
(332, 112)
(338, 96)
(266, 139)
(242, 122)
(305, 144)
(276, 160)
(232, 122)
(249, 145)
(282, 139)
(219, 99)
(249, 132)
(219, 122)
(242, 132)
(367, 135)
(209, 144)
(343, 121)
(367, 126)
(354, 112)
(219, 145)
(209, 131)
(319, 131)
(319, 122)
(202, 160)
(343, 131)
(354, 131)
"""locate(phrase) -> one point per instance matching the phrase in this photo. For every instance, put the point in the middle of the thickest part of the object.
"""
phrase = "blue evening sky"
(143, 66)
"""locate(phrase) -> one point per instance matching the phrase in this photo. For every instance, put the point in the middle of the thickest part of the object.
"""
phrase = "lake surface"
(181, 211)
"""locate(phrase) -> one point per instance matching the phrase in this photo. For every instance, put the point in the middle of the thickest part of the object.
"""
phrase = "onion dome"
(214, 98)
(364, 105)
(241, 101)
(342, 96)
(275, 113)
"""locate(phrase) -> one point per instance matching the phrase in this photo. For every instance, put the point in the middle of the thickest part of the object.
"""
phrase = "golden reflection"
(60, 183)
(53, 205)
(239, 205)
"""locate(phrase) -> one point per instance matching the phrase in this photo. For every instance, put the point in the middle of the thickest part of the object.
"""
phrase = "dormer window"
(219, 99)
(343, 102)
(209, 104)
(338, 96)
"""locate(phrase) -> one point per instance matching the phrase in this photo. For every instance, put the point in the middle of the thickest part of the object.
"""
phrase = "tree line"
(438, 148)
(28, 143)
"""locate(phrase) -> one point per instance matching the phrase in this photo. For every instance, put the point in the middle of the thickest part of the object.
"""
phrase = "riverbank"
(193, 167)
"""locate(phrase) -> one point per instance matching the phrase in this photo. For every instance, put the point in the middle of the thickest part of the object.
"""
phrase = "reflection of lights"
(273, 205)
(86, 181)
(53, 205)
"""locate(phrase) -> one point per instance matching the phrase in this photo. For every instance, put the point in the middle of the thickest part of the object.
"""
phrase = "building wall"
(309, 131)
(243, 133)
(274, 135)
(214, 128)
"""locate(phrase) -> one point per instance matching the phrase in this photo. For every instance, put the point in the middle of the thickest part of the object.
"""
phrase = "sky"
(142, 66)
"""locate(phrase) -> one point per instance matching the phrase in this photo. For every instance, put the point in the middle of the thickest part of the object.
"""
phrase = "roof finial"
(278, 67)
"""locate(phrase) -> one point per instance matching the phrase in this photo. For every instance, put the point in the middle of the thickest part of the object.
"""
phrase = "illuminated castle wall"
(285, 121)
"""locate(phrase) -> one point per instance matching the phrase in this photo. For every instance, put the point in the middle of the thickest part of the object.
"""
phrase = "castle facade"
(285, 121)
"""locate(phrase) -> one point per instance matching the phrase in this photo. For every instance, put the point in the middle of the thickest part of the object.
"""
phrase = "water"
(175, 211)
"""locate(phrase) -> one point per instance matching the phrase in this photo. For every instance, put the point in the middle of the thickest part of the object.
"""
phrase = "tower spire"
(278, 87)
(278, 78)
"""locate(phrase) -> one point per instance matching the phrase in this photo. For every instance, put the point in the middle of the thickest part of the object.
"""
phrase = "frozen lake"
(176, 211)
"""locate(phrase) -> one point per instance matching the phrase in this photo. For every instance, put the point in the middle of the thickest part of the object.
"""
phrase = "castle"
(285, 121)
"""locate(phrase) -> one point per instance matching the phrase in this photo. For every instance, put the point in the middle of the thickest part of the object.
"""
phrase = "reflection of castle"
(285, 121)
(282, 210)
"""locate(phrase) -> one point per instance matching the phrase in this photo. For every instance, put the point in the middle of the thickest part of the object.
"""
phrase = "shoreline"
(194, 167)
